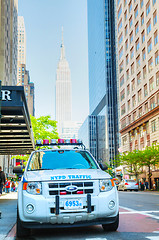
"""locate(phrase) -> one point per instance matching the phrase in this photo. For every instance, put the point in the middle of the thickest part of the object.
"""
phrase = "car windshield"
(61, 159)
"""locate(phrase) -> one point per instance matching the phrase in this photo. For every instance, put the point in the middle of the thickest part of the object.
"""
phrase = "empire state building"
(63, 90)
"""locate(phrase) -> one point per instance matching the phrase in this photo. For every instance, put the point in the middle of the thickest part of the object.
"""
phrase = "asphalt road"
(139, 220)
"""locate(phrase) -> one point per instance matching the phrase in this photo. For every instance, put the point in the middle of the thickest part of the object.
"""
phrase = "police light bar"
(58, 142)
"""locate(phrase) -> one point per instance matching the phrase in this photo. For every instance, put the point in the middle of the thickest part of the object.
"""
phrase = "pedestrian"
(12, 186)
(147, 185)
(16, 186)
(2, 180)
(7, 185)
(154, 186)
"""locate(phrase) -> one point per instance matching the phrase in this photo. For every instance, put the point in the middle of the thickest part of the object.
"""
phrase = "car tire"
(21, 231)
(111, 227)
(136, 190)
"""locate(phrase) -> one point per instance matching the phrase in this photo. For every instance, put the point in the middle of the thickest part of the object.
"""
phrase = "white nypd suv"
(65, 187)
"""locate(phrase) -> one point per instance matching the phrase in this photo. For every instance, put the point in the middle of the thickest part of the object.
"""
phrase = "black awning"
(16, 136)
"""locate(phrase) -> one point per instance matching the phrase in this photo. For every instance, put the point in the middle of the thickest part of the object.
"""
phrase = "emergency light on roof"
(57, 142)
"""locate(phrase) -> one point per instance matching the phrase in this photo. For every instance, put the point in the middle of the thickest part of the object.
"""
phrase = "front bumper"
(37, 225)
(48, 212)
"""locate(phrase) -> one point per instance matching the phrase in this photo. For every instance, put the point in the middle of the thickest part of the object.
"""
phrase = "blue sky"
(43, 23)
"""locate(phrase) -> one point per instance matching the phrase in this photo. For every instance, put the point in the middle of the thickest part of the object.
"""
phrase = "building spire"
(62, 48)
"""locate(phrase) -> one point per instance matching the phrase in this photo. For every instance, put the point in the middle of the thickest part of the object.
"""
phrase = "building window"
(150, 64)
(122, 94)
(155, 38)
(124, 140)
(125, 2)
(119, 25)
(125, 15)
(145, 90)
(144, 72)
(148, 27)
(137, 28)
(157, 78)
(157, 99)
(152, 103)
(130, 6)
(142, 19)
(119, 11)
(123, 109)
(128, 105)
(143, 36)
(141, 3)
(126, 30)
(154, 17)
(130, 22)
(128, 89)
(121, 53)
(151, 84)
(121, 66)
(131, 37)
(127, 59)
(146, 107)
(139, 95)
(120, 38)
(139, 78)
(153, 126)
(137, 45)
(149, 46)
(154, 1)
(140, 111)
(138, 61)
(126, 45)
(136, 12)
(156, 57)
(134, 101)
(133, 85)
(127, 74)
(134, 116)
(132, 68)
(122, 81)
(148, 8)
(143, 54)
(132, 52)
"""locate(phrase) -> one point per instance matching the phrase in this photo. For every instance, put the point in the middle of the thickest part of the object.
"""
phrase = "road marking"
(96, 239)
(153, 238)
(146, 213)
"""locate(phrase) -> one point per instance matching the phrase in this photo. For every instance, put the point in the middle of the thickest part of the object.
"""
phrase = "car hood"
(65, 174)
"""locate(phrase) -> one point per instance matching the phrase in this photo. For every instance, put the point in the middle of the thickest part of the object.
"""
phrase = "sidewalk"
(8, 209)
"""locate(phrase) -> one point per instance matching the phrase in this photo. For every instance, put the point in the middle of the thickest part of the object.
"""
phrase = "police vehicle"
(64, 186)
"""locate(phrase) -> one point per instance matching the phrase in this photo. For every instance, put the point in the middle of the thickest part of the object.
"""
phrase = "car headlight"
(106, 185)
(33, 187)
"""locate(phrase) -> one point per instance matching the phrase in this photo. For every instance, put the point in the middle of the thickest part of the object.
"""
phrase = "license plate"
(73, 204)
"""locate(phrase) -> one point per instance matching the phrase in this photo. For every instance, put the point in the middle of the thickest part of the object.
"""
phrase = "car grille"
(60, 188)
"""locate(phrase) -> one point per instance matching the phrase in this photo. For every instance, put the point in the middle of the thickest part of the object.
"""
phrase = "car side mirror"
(103, 166)
(18, 169)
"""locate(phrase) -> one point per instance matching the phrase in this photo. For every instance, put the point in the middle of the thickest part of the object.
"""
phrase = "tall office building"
(23, 78)
(138, 49)
(8, 41)
(102, 77)
(63, 90)
(21, 47)
(138, 58)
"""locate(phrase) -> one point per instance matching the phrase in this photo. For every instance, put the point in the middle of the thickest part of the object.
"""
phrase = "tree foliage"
(44, 128)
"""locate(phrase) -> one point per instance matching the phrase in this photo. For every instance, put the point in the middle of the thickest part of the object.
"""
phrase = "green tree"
(133, 161)
(150, 158)
(44, 128)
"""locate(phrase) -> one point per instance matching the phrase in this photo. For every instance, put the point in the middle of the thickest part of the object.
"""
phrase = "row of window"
(153, 102)
(130, 7)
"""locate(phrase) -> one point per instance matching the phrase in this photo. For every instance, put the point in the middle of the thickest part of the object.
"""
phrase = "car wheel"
(21, 231)
(112, 226)
(136, 190)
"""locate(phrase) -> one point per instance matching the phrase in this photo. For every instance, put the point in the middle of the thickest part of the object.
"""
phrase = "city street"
(139, 219)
